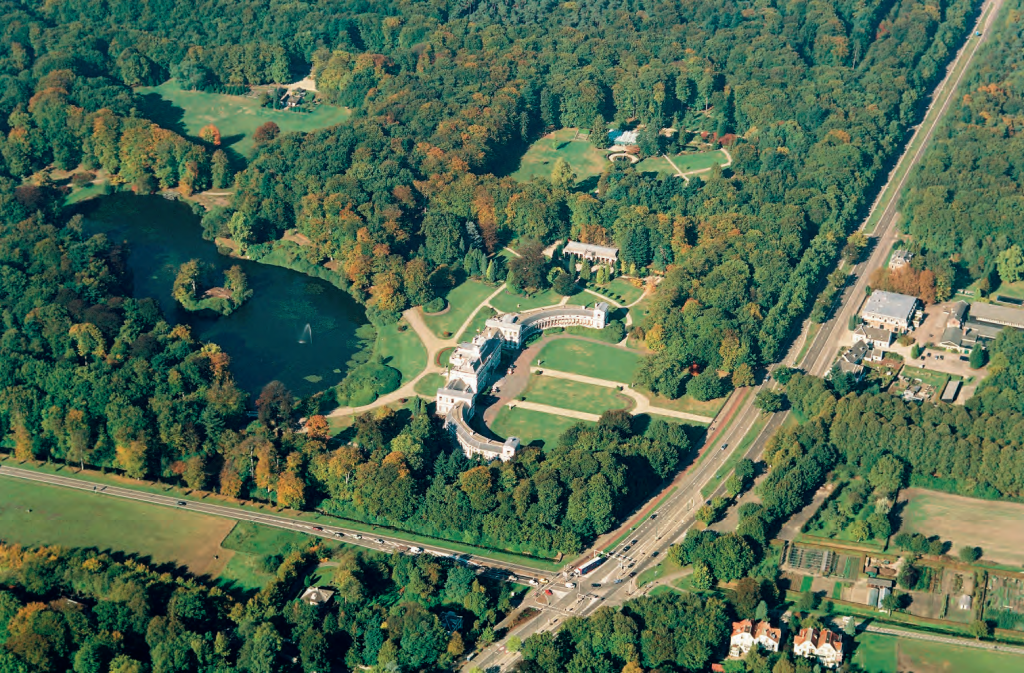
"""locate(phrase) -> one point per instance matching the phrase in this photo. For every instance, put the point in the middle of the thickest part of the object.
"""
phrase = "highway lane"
(347, 535)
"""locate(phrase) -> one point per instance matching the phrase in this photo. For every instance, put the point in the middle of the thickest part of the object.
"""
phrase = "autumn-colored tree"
(291, 491)
(133, 458)
(632, 667)
(195, 473)
(210, 134)
(266, 465)
(230, 482)
(317, 427)
(24, 441)
(455, 645)
(265, 133)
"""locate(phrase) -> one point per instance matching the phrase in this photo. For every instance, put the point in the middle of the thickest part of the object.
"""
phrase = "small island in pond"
(193, 290)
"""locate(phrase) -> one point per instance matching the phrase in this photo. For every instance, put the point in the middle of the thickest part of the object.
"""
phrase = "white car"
(570, 585)
(415, 550)
(532, 583)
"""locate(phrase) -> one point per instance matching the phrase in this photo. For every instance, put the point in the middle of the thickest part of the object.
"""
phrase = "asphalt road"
(492, 566)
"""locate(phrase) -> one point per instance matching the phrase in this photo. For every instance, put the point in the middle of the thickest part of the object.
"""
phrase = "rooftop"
(891, 305)
(577, 248)
(993, 313)
(874, 333)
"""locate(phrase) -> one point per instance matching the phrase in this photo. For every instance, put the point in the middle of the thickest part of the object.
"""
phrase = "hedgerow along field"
(586, 160)
(237, 117)
(992, 525)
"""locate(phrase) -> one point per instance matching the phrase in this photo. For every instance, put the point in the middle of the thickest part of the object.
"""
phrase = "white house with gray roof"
(890, 311)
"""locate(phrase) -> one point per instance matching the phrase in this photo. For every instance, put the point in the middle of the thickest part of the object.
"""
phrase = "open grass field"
(589, 359)
(878, 653)
(586, 160)
(506, 302)
(462, 299)
(1012, 290)
(686, 162)
(402, 350)
(992, 525)
(429, 384)
(531, 427)
(237, 117)
(688, 404)
(76, 519)
(574, 395)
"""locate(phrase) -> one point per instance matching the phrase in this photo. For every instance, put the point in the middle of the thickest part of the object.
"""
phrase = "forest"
(964, 204)
(89, 612)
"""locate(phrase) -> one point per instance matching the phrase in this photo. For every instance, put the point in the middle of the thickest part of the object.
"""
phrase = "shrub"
(435, 305)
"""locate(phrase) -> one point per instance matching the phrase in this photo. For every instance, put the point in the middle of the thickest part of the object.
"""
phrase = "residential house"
(822, 644)
(873, 336)
(964, 339)
(316, 596)
(746, 634)
(890, 311)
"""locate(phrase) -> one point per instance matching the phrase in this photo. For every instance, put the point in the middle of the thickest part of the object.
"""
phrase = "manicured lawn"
(237, 117)
(664, 589)
(478, 323)
(506, 302)
(462, 300)
(33, 514)
(625, 289)
(685, 162)
(402, 350)
(429, 384)
(585, 159)
(531, 426)
(878, 653)
(574, 395)
(687, 404)
(639, 312)
(1013, 290)
(589, 359)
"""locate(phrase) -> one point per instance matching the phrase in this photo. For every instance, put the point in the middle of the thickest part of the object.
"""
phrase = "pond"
(267, 338)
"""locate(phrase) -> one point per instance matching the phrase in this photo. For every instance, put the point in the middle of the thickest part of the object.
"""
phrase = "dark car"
(595, 585)
(632, 574)
(182, 503)
(320, 528)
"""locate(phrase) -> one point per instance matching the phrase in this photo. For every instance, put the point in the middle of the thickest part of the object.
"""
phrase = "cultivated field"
(574, 395)
(992, 525)
(586, 160)
(589, 359)
(237, 117)
(531, 426)
(32, 513)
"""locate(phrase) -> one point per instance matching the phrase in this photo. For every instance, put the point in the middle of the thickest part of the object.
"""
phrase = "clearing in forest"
(685, 162)
(237, 117)
(990, 524)
(586, 160)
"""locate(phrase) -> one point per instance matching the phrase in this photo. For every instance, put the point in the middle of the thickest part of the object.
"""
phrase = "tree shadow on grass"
(163, 113)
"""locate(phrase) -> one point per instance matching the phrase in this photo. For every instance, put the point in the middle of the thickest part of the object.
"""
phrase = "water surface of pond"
(263, 336)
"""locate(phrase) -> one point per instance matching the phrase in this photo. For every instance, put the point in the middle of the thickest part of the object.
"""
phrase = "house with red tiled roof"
(746, 634)
(822, 644)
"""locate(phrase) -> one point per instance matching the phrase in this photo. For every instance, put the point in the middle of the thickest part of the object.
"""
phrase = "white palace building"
(473, 364)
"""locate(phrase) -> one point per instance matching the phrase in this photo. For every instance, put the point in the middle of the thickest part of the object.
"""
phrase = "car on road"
(358, 536)
(547, 592)
(415, 550)
(339, 533)
(511, 578)
(379, 541)
(532, 582)
(182, 503)
(654, 553)
(596, 585)
(632, 574)
(618, 581)
(570, 585)
(725, 446)
(626, 548)
(631, 565)
(635, 540)
(654, 516)
(320, 528)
